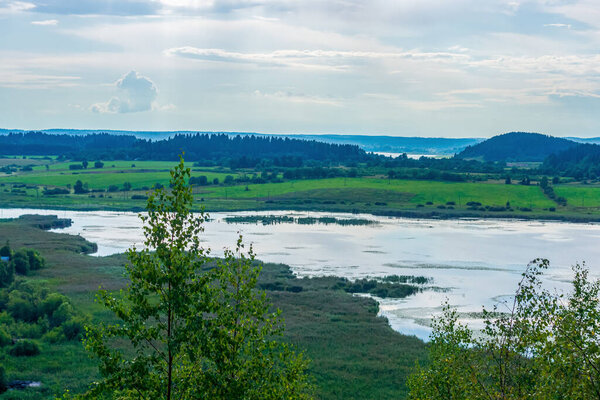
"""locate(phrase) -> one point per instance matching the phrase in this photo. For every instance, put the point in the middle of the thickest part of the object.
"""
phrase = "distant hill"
(581, 161)
(516, 146)
(383, 144)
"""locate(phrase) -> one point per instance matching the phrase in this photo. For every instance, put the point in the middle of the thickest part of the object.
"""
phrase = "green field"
(355, 354)
(370, 194)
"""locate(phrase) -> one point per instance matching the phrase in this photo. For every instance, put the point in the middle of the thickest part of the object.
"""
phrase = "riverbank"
(237, 206)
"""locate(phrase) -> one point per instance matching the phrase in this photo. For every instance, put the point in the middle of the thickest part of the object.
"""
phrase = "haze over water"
(472, 262)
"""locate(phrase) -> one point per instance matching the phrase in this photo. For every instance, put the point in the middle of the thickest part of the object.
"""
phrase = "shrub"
(55, 335)
(22, 309)
(7, 273)
(98, 164)
(55, 191)
(3, 381)
(5, 338)
(74, 328)
(139, 197)
(25, 348)
(36, 261)
(52, 302)
(22, 329)
(20, 262)
(113, 188)
(62, 314)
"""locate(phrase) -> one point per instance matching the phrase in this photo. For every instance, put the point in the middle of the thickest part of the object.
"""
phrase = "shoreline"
(427, 214)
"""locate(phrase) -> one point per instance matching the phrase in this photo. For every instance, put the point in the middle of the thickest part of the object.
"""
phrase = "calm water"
(475, 262)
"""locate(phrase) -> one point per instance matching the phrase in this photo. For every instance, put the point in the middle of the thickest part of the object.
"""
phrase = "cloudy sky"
(445, 68)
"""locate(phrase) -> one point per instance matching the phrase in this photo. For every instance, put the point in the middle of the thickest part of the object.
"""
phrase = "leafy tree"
(126, 186)
(85, 164)
(7, 273)
(5, 250)
(98, 164)
(20, 262)
(508, 181)
(544, 346)
(544, 182)
(79, 188)
(195, 327)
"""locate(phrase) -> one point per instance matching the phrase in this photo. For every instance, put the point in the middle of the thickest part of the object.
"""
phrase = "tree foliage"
(191, 327)
(545, 347)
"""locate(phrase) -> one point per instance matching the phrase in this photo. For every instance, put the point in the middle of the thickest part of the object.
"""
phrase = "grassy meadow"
(372, 194)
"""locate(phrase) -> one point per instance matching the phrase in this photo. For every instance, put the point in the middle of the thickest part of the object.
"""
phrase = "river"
(473, 263)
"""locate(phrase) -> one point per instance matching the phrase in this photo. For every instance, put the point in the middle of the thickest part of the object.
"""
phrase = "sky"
(435, 68)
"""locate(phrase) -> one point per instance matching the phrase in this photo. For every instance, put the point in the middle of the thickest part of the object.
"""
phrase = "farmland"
(122, 185)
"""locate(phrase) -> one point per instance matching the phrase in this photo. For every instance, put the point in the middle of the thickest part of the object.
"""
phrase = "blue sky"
(443, 68)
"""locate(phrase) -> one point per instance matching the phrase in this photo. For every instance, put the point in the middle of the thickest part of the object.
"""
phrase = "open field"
(371, 194)
(355, 354)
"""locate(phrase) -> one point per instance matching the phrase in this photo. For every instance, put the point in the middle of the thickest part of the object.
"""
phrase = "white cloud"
(136, 93)
(299, 98)
(312, 59)
(568, 26)
(12, 7)
(46, 22)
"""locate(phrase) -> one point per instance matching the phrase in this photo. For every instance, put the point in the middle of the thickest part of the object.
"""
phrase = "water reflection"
(477, 261)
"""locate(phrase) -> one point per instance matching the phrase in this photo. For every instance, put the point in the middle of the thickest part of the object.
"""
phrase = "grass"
(414, 198)
(354, 353)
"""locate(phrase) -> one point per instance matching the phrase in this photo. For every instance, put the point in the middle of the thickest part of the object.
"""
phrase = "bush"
(5, 338)
(113, 188)
(74, 328)
(25, 348)
(27, 330)
(55, 335)
(98, 164)
(62, 314)
(3, 381)
(22, 309)
(52, 302)
(20, 262)
(36, 261)
(7, 273)
(55, 191)
(139, 197)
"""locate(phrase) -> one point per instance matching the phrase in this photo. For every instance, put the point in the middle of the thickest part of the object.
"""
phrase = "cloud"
(47, 22)
(568, 26)
(136, 93)
(12, 7)
(298, 98)
(313, 59)
(96, 7)
(11, 78)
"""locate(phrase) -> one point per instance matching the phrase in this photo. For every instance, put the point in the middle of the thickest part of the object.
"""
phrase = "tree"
(545, 345)
(126, 186)
(98, 164)
(7, 273)
(196, 327)
(544, 182)
(84, 163)
(5, 250)
(508, 181)
(79, 188)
